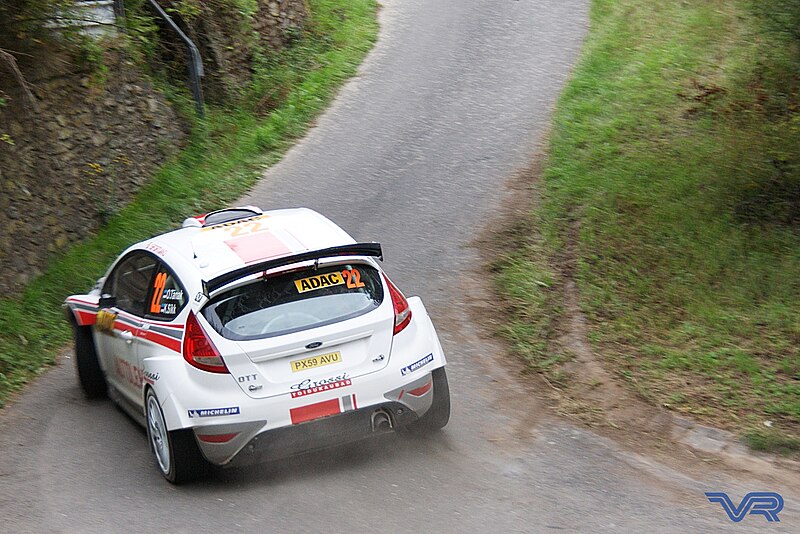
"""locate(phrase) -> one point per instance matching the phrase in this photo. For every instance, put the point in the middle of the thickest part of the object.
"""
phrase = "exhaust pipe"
(381, 422)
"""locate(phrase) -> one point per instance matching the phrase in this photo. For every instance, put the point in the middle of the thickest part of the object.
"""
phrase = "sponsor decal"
(239, 226)
(316, 361)
(214, 412)
(317, 410)
(173, 294)
(349, 277)
(150, 377)
(320, 389)
(316, 282)
(156, 249)
(417, 365)
(308, 383)
(132, 374)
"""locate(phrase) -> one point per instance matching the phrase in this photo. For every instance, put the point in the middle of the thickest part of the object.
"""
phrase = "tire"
(178, 458)
(438, 414)
(90, 375)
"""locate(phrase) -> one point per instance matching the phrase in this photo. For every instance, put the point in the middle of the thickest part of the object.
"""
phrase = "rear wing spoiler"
(356, 249)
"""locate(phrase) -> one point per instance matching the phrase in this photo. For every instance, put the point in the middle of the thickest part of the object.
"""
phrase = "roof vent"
(222, 216)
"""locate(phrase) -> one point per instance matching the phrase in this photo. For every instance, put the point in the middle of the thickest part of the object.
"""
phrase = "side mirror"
(107, 301)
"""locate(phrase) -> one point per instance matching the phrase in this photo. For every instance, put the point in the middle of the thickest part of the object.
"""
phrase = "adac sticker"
(316, 282)
(214, 412)
(417, 365)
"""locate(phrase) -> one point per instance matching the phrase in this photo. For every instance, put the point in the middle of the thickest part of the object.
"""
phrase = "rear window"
(295, 301)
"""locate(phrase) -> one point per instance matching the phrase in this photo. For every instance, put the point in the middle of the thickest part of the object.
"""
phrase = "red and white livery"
(249, 335)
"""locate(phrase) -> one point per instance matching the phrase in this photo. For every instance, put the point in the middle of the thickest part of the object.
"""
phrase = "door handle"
(126, 335)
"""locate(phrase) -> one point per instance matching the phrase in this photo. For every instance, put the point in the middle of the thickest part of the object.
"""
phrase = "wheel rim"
(159, 440)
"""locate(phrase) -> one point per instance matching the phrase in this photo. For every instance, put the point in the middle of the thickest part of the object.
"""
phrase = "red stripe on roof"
(315, 411)
(257, 247)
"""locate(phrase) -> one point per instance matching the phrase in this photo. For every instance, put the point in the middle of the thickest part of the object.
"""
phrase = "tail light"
(402, 312)
(198, 350)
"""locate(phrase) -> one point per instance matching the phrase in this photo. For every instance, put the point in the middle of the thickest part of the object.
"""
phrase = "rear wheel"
(178, 457)
(438, 414)
(90, 375)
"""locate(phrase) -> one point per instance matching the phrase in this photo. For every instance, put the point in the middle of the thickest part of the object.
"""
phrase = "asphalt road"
(415, 153)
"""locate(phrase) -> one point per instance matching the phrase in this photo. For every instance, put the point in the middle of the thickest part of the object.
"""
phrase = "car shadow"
(348, 457)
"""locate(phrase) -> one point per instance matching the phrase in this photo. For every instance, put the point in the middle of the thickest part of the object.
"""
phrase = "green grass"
(674, 170)
(225, 156)
(772, 442)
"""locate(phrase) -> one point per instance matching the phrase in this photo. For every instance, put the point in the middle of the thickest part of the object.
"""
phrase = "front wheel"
(90, 374)
(438, 414)
(178, 457)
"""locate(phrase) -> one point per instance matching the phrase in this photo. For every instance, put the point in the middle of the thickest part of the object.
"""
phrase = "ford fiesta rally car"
(249, 335)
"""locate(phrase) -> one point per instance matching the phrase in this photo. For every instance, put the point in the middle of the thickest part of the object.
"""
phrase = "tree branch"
(11, 61)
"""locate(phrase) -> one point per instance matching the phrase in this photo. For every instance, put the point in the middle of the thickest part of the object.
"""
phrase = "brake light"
(402, 312)
(198, 350)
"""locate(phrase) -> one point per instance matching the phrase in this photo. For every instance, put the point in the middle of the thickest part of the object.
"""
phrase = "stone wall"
(80, 157)
(94, 140)
(278, 19)
(227, 41)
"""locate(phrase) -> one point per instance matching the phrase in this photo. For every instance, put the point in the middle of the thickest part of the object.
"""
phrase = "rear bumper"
(233, 428)
(313, 435)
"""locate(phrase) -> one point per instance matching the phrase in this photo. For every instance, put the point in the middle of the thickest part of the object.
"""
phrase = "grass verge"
(225, 156)
(671, 196)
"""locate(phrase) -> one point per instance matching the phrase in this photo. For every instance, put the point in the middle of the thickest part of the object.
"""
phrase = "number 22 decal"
(158, 292)
(353, 278)
(240, 230)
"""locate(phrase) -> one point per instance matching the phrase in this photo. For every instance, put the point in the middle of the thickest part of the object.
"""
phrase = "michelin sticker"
(214, 412)
(417, 365)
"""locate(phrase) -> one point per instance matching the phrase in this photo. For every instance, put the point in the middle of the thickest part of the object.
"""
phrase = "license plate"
(315, 361)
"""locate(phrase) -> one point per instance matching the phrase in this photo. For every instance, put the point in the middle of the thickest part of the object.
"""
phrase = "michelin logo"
(213, 412)
(417, 365)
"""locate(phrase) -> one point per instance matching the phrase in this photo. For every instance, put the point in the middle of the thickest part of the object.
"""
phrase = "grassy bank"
(671, 195)
(225, 156)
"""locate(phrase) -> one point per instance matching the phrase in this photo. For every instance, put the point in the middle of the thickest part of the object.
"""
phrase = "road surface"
(415, 153)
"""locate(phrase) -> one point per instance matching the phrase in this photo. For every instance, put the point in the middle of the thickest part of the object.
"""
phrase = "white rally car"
(249, 335)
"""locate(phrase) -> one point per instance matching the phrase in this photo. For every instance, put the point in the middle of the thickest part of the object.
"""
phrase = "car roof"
(213, 250)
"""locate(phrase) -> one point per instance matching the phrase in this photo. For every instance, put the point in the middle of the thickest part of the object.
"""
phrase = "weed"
(769, 441)
(225, 156)
(675, 151)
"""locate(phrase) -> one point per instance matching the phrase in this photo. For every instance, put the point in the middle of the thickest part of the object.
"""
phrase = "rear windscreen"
(295, 301)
